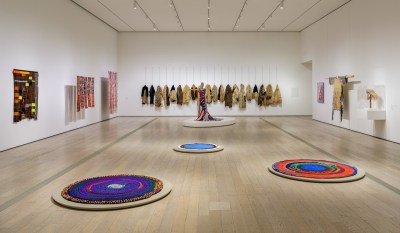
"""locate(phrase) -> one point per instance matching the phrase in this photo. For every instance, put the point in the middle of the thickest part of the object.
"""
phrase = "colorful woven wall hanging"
(113, 95)
(25, 94)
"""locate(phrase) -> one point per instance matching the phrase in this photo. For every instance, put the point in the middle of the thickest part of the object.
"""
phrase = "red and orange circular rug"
(317, 170)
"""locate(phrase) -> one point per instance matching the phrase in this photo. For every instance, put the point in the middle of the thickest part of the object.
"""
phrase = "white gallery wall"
(214, 58)
(60, 41)
(361, 38)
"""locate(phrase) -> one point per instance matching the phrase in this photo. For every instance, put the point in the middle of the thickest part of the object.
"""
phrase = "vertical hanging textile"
(86, 91)
(158, 98)
(261, 95)
(186, 94)
(221, 93)
(270, 95)
(228, 96)
(81, 93)
(235, 94)
(145, 95)
(193, 91)
(277, 96)
(242, 97)
(113, 94)
(255, 93)
(214, 93)
(90, 90)
(25, 95)
(203, 114)
(208, 94)
(172, 94)
(165, 93)
(152, 93)
(179, 95)
(249, 94)
(338, 95)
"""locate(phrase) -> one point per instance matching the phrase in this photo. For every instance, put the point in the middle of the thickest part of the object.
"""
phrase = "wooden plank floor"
(228, 191)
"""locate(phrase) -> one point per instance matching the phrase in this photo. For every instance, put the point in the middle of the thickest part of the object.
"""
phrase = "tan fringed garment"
(221, 93)
(277, 96)
(208, 94)
(249, 94)
(186, 94)
(228, 96)
(242, 97)
(164, 93)
(214, 93)
(194, 92)
(235, 94)
(337, 94)
(270, 95)
(158, 99)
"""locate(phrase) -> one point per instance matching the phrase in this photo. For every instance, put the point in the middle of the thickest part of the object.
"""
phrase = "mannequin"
(202, 113)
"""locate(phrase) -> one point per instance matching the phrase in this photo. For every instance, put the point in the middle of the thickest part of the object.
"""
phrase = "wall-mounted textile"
(208, 94)
(194, 92)
(242, 97)
(158, 98)
(172, 94)
(270, 95)
(277, 96)
(113, 91)
(152, 93)
(25, 95)
(235, 94)
(249, 94)
(186, 94)
(338, 95)
(320, 92)
(214, 93)
(228, 96)
(221, 93)
(261, 95)
(179, 95)
(145, 95)
(255, 93)
(85, 94)
(165, 93)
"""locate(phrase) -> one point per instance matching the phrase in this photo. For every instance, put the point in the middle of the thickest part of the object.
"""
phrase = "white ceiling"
(224, 14)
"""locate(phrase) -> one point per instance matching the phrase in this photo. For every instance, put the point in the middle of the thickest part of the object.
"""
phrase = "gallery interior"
(199, 116)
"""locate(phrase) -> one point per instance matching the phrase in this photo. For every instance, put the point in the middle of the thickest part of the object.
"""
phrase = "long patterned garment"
(91, 93)
(203, 114)
(25, 95)
(81, 93)
(113, 94)
(338, 95)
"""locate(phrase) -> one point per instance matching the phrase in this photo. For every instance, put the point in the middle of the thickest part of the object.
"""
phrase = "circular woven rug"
(198, 148)
(225, 121)
(112, 192)
(316, 170)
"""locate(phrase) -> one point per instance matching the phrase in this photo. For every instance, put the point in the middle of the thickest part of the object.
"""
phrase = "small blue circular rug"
(198, 148)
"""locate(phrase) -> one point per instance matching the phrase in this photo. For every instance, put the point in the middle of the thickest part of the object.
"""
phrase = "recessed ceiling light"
(134, 5)
(281, 6)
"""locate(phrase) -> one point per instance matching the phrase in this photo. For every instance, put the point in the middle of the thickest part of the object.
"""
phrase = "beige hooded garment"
(249, 93)
(158, 99)
(221, 93)
(242, 97)
(270, 95)
(186, 94)
(208, 94)
(235, 94)
(214, 93)
(277, 96)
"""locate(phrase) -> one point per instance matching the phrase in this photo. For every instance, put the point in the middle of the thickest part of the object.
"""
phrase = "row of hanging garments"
(228, 95)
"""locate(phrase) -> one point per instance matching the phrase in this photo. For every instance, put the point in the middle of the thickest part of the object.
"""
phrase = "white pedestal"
(376, 114)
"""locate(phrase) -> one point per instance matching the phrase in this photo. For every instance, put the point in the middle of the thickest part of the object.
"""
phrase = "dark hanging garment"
(152, 92)
(261, 95)
(255, 93)
(179, 95)
(228, 96)
(172, 94)
(145, 95)
(221, 93)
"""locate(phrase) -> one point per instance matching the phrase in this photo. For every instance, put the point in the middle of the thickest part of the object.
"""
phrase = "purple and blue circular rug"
(112, 192)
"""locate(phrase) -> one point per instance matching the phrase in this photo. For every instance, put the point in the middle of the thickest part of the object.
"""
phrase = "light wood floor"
(228, 191)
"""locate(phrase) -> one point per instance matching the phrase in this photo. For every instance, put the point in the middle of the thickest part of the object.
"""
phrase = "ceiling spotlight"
(263, 27)
(134, 5)
(281, 6)
(170, 4)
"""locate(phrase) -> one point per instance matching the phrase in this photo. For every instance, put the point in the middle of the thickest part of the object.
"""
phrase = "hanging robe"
(152, 92)
(228, 96)
(235, 94)
(261, 95)
(214, 93)
(277, 96)
(270, 95)
(145, 95)
(242, 97)
(208, 94)
(179, 95)
(158, 99)
(255, 93)
(166, 96)
(221, 94)
(194, 92)
(186, 94)
(172, 94)
(249, 94)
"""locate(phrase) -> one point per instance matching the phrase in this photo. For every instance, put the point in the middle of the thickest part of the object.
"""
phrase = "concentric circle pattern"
(315, 169)
(198, 146)
(114, 189)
